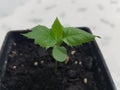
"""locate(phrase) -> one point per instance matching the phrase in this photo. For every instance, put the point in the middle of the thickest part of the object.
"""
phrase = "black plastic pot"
(100, 60)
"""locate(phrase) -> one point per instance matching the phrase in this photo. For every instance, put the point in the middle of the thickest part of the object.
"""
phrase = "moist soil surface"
(30, 67)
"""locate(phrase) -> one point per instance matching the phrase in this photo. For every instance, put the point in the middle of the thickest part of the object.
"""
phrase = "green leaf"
(74, 36)
(57, 29)
(59, 53)
(42, 36)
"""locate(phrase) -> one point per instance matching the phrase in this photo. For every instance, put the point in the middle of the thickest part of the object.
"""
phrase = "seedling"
(53, 38)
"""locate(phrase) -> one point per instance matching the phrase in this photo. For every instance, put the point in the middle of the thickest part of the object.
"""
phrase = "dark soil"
(31, 67)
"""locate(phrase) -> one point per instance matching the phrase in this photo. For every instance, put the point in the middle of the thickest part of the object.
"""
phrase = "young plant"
(55, 36)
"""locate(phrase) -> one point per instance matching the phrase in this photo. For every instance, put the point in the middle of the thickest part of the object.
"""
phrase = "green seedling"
(54, 37)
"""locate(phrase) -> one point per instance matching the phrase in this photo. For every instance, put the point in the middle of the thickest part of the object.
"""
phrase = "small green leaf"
(59, 53)
(57, 29)
(74, 36)
(42, 36)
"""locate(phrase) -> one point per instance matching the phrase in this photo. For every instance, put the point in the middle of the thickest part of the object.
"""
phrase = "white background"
(101, 16)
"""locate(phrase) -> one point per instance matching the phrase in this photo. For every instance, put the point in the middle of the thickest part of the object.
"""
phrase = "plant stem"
(56, 67)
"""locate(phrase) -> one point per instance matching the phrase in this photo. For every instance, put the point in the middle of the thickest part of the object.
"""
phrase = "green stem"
(56, 67)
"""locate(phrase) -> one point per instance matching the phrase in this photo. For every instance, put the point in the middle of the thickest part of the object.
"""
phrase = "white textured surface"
(102, 16)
